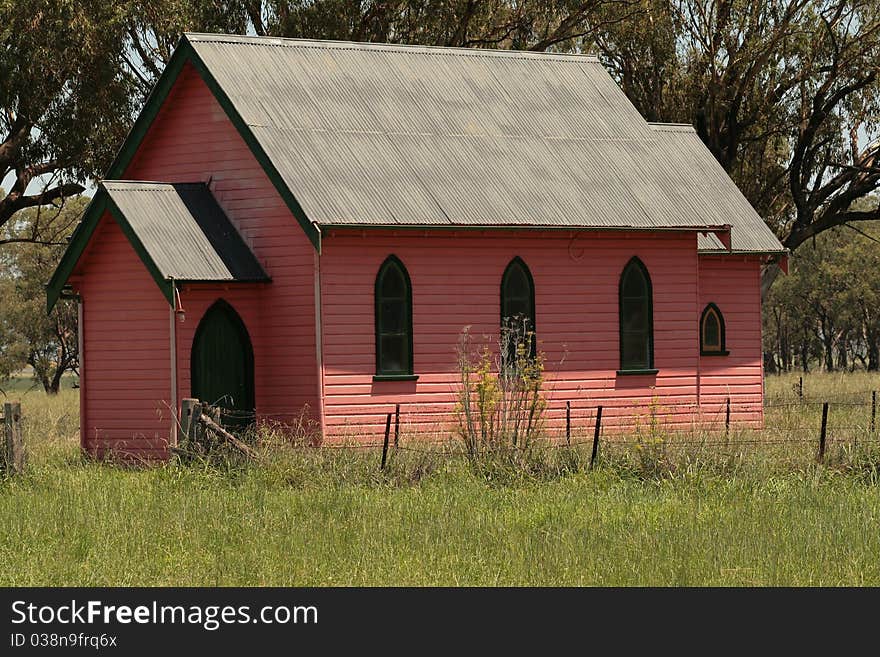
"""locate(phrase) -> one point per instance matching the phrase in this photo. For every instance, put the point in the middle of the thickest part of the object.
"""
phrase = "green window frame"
(713, 333)
(393, 316)
(636, 319)
(518, 306)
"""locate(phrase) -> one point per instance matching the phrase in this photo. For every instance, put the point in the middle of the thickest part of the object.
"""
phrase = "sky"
(37, 184)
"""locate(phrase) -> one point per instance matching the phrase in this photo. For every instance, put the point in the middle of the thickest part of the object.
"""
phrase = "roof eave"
(99, 205)
(760, 252)
(531, 227)
(215, 281)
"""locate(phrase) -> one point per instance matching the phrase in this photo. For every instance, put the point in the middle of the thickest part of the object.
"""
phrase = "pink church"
(299, 226)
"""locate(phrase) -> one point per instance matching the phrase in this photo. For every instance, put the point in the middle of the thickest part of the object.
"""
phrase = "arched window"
(517, 309)
(636, 319)
(712, 332)
(394, 346)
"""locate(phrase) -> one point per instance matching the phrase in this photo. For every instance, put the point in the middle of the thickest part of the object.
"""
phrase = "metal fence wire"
(787, 420)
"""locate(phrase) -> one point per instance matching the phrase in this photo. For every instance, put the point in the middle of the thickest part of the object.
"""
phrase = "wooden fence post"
(801, 387)
(385, 444)
(13, 444)
(596, 436)
(186, 418)
(193, 432)
(568, 423)
(727, 418)
(873, 410)
(212, 413)
(821, 456)
(396, 425)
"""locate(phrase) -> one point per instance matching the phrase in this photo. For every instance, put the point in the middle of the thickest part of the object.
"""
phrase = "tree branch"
(11, 146)
(13, 203)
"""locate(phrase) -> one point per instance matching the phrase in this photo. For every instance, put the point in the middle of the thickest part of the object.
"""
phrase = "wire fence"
(840, 419)
(843, 419)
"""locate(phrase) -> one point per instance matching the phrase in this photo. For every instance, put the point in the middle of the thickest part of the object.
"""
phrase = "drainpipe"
(319, 342)
(172, 323)
(81, 356)
(698, 312)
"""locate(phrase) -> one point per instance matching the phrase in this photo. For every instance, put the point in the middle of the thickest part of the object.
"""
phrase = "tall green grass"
(661, 513)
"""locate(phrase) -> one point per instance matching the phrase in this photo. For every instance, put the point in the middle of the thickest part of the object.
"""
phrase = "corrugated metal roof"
(184, 231)
(389, 135)
(697, 172)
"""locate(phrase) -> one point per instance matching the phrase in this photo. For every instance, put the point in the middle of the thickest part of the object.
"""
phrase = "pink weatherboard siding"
(126, 365)
(193, 140)
(456, 279)
(733, 283)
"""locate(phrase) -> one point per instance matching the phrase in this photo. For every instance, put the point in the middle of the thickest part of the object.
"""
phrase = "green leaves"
(65, 103)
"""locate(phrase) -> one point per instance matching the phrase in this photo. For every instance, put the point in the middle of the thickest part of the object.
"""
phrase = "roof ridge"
(670, 127)
(147, 183)
(288, 42)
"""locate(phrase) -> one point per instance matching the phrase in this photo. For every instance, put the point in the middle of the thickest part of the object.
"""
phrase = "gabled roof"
(704, 178)
(178, 230)
(378, 135)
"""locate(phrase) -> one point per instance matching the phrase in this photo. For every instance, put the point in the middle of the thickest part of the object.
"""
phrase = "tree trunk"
(785, 352)
(873, 351)
(842, 345)
(827, 339)
(55, 385)
(829, 355)
(47, 384)
(768, 277)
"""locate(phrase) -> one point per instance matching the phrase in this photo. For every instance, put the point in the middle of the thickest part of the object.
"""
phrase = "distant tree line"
(826, 313)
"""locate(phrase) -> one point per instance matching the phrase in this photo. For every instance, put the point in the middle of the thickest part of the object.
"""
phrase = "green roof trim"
(183, 54)
(148, 114)
(100, 204)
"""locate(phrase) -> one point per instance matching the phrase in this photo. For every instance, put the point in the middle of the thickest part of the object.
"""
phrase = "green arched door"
(222, 364)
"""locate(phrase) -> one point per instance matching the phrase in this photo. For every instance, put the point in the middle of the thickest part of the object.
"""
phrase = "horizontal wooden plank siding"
(192, 140)
(126, 388)
(733, 283)
(456, 282)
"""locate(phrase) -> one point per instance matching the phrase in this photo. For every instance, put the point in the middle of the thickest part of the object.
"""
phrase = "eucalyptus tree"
(65, 103)
(783, 92)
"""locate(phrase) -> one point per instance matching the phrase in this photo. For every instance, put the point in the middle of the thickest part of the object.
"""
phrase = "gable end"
(183, 54)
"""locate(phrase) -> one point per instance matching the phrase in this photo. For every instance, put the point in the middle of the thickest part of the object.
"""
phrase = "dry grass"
(660, 513)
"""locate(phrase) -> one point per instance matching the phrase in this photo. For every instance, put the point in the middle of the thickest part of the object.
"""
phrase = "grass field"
(655, 515)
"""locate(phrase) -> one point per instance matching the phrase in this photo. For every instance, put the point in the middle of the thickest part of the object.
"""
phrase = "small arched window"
(394, 344)
(517, 309)
(712, 338)
(636, 319)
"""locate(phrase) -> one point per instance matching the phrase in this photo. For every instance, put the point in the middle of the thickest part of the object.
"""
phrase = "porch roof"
(179, 231)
